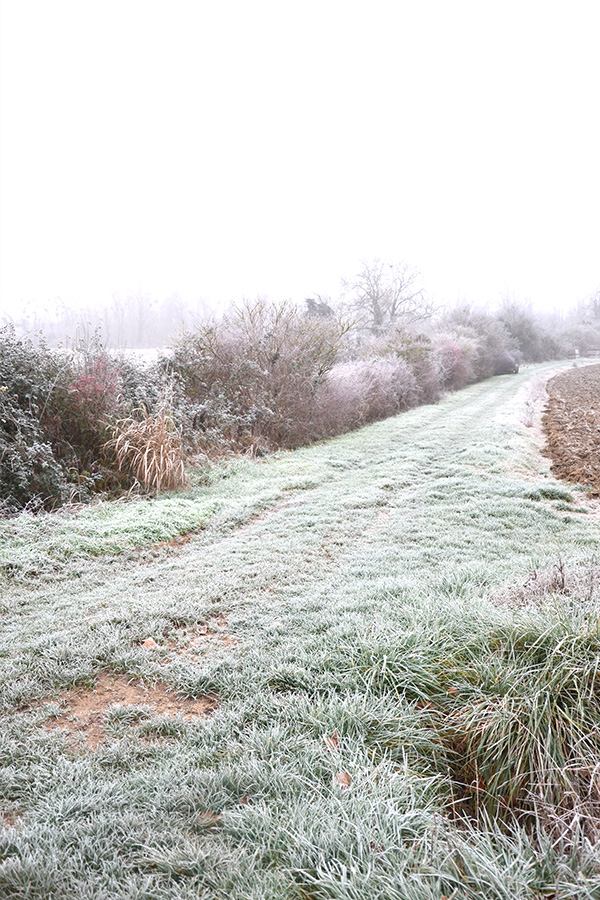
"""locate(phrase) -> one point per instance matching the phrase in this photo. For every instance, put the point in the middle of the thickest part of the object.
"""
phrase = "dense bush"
(29, 473)
(142, 384)
(84, 395)
(481, 337)
(532, 340)
(582, 338)
(453, 370)
(250, 380)
(362, 391)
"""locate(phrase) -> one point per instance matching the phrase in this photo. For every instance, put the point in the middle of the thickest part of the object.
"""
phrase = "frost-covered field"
(395, 638)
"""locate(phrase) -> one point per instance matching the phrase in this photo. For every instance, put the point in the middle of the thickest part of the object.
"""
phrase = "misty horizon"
(221, 152)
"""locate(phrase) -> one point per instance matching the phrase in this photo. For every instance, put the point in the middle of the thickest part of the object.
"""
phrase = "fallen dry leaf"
(208, 818)
(332, 742)
(343, 779)
(149, 644)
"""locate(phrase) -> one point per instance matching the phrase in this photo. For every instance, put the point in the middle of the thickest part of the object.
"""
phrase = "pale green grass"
(359, 578)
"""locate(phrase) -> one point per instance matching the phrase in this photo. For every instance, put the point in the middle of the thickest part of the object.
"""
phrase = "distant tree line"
(380, 298)
(134, 322)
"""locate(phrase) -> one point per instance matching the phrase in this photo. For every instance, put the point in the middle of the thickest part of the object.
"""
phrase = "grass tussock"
(522, 724)
(151, 447)
(513, 709)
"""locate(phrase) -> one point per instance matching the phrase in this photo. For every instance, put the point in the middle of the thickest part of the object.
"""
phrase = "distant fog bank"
(135, 323)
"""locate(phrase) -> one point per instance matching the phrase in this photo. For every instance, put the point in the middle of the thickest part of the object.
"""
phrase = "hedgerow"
(264, 376)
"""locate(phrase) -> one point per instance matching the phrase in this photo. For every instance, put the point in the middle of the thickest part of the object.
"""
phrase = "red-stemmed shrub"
(454, 371)
(84, 399)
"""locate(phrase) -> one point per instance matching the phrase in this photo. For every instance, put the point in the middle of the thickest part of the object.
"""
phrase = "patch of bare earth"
(178, 541)
(86, 711)
(572, 426)
(7, 818)
(173, 546)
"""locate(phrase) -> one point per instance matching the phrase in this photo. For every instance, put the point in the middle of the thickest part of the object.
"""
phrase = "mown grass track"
(353, 577)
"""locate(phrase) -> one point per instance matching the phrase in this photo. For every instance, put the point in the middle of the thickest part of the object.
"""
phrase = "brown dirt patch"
(86, 708)
(173, 545)
(177, 541)
(8, 819)
(572, 426)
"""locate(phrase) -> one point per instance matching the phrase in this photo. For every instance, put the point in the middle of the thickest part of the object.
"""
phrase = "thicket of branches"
(263, 376)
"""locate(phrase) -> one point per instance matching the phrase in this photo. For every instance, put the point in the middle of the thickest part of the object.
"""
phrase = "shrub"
(480, 338)
(531, 338)
(84, 396)
(142, 383)
(55, 410)
(253, 376)
(582, 337)
(29, 474)
(362, 391)
(506, 363)
(453, 369)
(416, 350)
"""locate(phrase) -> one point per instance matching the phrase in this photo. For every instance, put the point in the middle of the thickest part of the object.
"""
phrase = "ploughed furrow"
(572, 426)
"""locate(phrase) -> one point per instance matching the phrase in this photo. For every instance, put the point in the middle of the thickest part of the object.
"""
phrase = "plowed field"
(572, 426)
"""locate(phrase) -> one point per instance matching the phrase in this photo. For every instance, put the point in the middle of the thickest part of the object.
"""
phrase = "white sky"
(229, 148)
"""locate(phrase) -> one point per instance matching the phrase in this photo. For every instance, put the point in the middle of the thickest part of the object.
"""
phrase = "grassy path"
(317, 598)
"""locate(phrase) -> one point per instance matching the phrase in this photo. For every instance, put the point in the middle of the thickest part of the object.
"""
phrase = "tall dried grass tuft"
(151, 447)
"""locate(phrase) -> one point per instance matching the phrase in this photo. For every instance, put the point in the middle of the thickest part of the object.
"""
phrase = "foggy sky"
(233, 148)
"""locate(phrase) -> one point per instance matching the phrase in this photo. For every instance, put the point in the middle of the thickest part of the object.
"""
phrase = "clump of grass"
(523, 723)
(549, 492)
(151, 447)
(516, 711)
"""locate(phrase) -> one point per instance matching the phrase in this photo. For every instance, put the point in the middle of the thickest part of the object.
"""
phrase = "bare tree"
(386, 295)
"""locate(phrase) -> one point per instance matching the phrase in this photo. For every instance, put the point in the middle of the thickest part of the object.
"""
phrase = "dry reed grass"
(151, 447)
